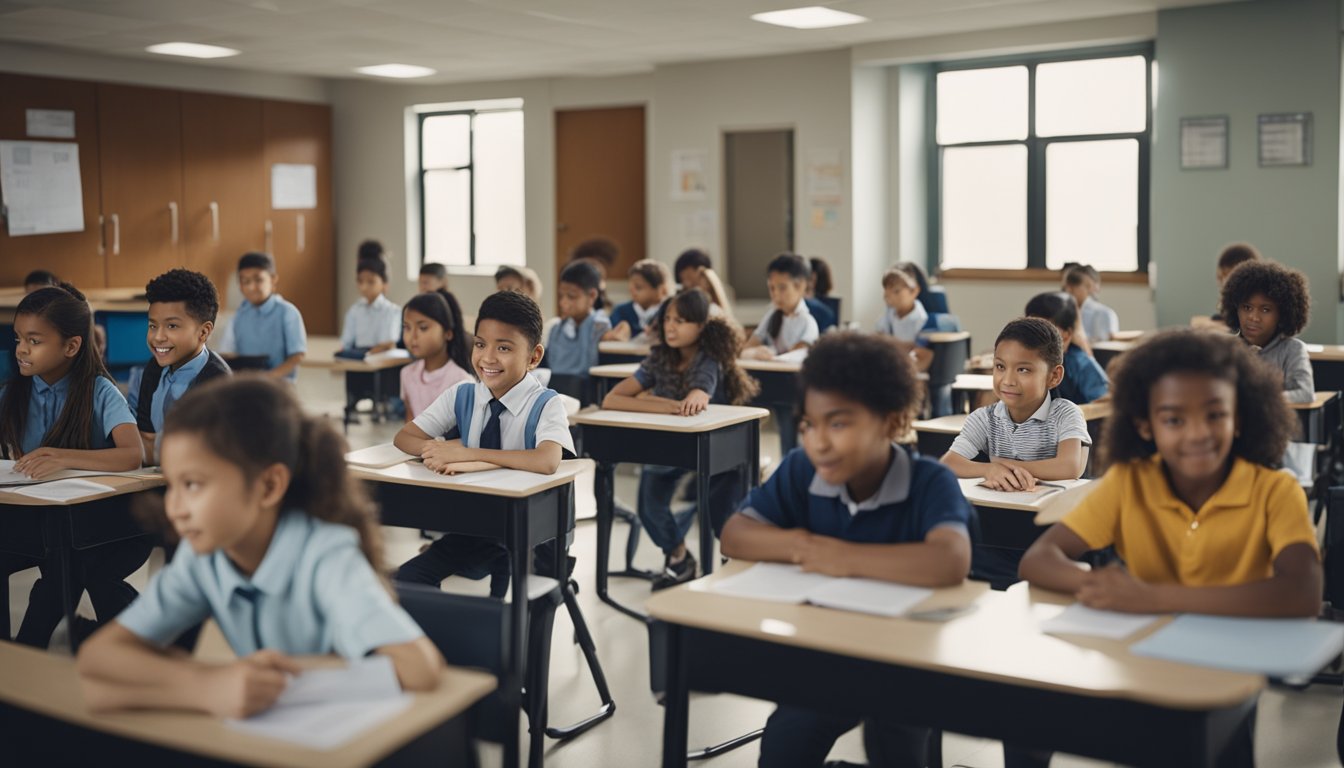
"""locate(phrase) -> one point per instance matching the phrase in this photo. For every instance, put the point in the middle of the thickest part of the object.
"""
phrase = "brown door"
(599, 182)
(301, 240)
(759, 205)
(223, 204)
(140, 138)
(74, 256)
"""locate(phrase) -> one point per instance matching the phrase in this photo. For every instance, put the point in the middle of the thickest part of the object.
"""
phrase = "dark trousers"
(101, 571)
(788, 428)
(657, 485)
(796, 737)
(473, 557)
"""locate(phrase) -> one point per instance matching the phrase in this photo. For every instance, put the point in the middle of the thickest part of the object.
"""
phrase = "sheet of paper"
(378, 456)
(40, 184)
(9, 477)
(323, 726)
(367, 679)
(775, 582)
(882, 598)
(391, 354)
(793, 356)
(1282, 648)
(62, 490)
(1078, 619)
(293, 186)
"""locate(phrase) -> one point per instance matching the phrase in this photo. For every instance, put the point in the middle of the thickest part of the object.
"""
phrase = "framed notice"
(1285, 139)
(1203, 143)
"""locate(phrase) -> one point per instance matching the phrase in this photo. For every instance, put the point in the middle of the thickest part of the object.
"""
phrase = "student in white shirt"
(788, 326)
(372, 324)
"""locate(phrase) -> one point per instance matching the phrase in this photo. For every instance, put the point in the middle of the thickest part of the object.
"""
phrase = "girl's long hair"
(442, 308)
(720, 341)
(253, 422)
(65, 309)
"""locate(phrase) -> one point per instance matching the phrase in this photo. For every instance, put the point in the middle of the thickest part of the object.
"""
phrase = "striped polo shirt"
(991, 431)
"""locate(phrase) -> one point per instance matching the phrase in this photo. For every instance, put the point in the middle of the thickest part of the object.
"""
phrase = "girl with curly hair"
(1268, 305)
(694, 363)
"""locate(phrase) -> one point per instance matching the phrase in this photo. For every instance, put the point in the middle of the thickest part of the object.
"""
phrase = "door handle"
(172, 214)
(214, 220)
(102, 235)
(268, 228)
(300, 238)
(116, 235)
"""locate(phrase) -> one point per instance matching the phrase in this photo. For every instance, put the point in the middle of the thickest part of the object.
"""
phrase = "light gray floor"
(1294, 729)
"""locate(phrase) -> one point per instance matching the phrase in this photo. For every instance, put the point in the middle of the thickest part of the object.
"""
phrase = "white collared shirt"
(440, 417)
(799, 327)
(368, 324)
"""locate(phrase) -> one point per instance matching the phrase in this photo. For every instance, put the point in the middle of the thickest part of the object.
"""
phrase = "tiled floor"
(1294, 729)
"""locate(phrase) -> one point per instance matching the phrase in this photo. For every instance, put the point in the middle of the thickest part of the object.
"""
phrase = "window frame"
(1037, 147)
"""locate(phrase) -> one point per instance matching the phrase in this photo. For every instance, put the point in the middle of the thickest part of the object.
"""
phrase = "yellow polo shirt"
(1232, 539)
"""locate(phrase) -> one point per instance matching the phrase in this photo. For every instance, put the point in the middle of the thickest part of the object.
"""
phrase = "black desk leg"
(702, 503)
(513, 681)
(604, 488)
(64, 557)
(676, 701)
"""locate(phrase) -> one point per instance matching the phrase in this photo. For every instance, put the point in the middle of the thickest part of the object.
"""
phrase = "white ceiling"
(468, 40)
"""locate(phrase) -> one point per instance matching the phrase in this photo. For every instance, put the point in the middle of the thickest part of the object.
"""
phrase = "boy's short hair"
(435, 270)
(600, 249)
(1282, 285)
(376, 266)
(584, 274)
(1039, 336)
(506, 272)
(193, 289)
(1075, 274)
(1237, 253)
(1055, 306)
(257, 260)
(515, 309)
(790, 264)
(655, 273)
(41, 277)
(898, 275)
(370, 249)
(689, 258)
(888, 383)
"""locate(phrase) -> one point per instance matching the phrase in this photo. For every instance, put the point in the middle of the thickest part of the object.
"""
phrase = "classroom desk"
(723, 438)
(1010, 520)
(934, 436)
(1319, 422)
(989, 673)
(1106, 351)
(518, 509)
(967, 387)
(1126, 336)
(39, 527)
(1327, 366)
(45, 718)
(613, 352)
(384, 372)
(605, 377)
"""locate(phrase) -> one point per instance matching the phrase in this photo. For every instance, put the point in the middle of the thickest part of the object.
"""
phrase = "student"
(1028, 435)
(433, 332)
(1232, 256)
(789, 325)
(520, 279)
(433, 277)
(39, 278)
(280, 545)
(649, 282)
(60, 410)
(265, 325)
(572, 347)
(602, 254)
(1084, 380)
(371, 250)
(1268, 304)
(182, 309)
(932, 297)
(819, 285)
(905, 317)
(372, 324)
(854, 503)
(512, 421)
(694, 269)
(693, 363)
(1083, 283)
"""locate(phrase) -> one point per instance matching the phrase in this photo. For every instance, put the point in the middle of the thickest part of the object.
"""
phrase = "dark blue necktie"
(490, 435)
(250, 594)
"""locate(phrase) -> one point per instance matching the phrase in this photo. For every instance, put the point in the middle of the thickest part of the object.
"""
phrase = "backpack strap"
(149, 382)
(534, 418)
(463, 406)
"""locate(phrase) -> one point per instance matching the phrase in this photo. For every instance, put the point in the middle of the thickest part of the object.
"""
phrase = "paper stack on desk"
(781, 583)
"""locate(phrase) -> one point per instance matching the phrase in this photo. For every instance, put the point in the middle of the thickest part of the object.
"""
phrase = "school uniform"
(825, 316)
(1288, 355)
(473, 556)
(161, 387)
(905, 328)
(637, 317)
(1100, 322)
(420, 387)
(1084, 380)
(799, 327)
(991, 431)
(571, 348)
(314, 593)
(273, 329)
(917, 495)
(370, 323)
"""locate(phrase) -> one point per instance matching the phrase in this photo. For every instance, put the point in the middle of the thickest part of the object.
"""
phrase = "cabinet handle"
(172, 213)
(269, 249)
(214, 220)
(300, 233)
(116, 235)
(102, 235)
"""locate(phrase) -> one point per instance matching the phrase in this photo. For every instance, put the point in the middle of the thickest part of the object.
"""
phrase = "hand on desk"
(758, 353)
(1113, 589)
(250, 684)
(620, 333)
(820, 554)
(1001, 476)
(461, 467)
(40, 463)
(695, 403)
(442, 452)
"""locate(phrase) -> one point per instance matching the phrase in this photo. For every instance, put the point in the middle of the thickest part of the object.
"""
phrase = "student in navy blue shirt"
(854, 503)
(1084, 380)
(649, 282)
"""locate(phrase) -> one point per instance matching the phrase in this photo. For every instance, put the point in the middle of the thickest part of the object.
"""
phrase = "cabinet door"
(74, 256)
(140, 138)
(223, 204)
(301, 240)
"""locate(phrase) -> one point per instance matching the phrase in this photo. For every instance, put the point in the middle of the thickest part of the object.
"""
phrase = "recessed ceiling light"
(811, 17)
(396, 70)
(194, 50)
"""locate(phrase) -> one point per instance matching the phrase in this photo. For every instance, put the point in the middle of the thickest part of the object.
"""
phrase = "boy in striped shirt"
(1028, 435)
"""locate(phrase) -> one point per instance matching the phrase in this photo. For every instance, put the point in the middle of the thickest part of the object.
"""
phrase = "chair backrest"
(834, 303)
(949, 360)
(1334, 546)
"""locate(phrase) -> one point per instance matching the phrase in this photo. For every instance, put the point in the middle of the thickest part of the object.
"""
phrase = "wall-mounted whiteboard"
(40, 187)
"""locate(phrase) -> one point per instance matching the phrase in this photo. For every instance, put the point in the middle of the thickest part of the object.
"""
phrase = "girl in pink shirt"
(431, 327)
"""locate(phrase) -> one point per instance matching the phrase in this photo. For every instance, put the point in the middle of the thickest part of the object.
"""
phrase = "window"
(1044, 161)
(471, 187)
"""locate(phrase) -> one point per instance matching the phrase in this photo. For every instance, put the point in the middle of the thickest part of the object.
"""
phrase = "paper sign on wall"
(51, 123)
(40, 187)
(825, 187)
(688, 174)
(293, 186)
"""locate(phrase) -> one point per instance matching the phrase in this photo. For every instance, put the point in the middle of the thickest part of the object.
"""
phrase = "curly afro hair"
(1284, 286)
(887, 382)
(193, 289)
(1265, 422)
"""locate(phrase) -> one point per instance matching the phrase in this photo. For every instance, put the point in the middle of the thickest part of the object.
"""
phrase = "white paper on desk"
(9, 477)
(62, 490)
(793, 356)
(775, 582)
(1018, 497)
(882, 598)
(1078, 619)
(324, 708)
(390, 354)
(378, 456)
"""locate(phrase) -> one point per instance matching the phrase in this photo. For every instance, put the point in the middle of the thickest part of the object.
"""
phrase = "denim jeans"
(658, 483)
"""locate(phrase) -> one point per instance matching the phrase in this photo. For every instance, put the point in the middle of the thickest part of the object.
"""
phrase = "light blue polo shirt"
(48, 400)
(572, 347)
(173, 385)
(273, 328)
(314, 593)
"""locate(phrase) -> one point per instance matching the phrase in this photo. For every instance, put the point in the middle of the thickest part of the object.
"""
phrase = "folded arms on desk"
(439, 455)
(125, 456)
(1002, 474)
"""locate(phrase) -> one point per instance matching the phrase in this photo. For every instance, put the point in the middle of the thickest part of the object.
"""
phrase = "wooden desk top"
(343, 365)
(943, 425)
(1325, 352)
(1126, 335)
(508, 483)
(1317, 402)
(623, 348)
(614, 371)
(984, 497)
(771, 366)
(120, 485)
(978, 382)
(944, 337)
(48, 684)
(999, 642)
(1096, 410)
(1114, 345)
(714, 417)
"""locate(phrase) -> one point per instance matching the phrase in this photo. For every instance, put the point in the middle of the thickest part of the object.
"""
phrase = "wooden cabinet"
(140, 153)
(75, 256)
